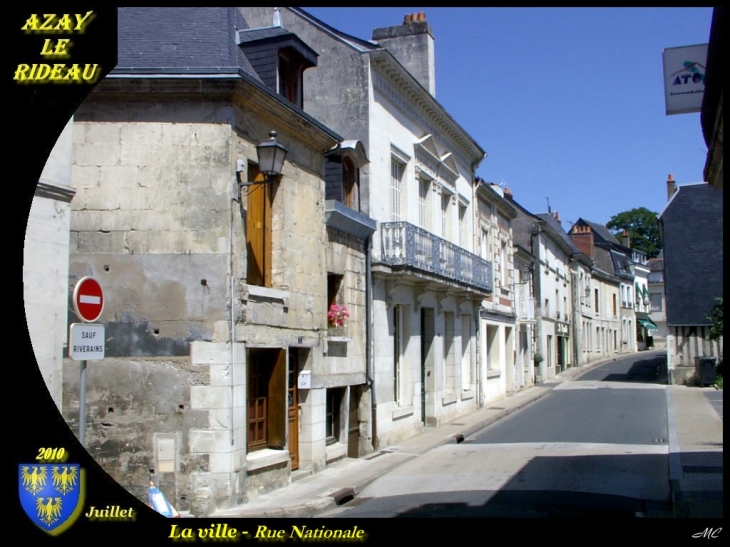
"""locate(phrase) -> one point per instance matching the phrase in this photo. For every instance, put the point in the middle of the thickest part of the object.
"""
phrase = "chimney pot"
(421, 16)
(671, 187)
(582, 236)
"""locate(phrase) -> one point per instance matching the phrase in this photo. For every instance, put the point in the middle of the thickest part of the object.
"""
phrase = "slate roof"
(603, 237)
(601, 231)
(656, 264)
(522, 225)
(693, 272)
(253, 34)
(178, 40)
(252, 39)
(604, 262)
(524, 221)
(621, 265)
(558, 228)
(191, 42)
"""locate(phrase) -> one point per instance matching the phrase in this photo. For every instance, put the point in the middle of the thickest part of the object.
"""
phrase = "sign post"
(86, 341)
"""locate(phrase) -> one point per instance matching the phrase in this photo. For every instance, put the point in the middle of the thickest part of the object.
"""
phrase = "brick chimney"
(582, 236)
(413, 45)
(625, 239)
(671, 187)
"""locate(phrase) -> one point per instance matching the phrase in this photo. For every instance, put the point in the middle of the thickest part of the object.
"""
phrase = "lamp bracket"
(241, 183)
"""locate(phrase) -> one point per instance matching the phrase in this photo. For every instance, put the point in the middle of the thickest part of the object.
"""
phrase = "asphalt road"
(594, 447)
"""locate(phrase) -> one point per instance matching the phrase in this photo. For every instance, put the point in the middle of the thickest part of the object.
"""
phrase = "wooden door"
(353, 424)
(293, 404)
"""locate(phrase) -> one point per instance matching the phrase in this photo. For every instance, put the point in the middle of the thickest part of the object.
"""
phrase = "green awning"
(647, 323)
(646, 291)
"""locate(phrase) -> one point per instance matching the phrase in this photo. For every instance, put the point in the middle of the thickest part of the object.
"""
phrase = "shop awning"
(647, 323)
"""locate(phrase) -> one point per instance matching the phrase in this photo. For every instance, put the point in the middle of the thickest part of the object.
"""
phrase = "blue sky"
(567, 102)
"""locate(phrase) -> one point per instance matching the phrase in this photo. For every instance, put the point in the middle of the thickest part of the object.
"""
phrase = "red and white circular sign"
(88, 299)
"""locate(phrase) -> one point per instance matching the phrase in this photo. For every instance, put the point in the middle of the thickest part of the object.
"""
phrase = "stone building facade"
(691, 230)
(504, 363)
(543, 236)
(614, 300)
(657, 302)
(45, 264)
(427, 282)
(216, 289)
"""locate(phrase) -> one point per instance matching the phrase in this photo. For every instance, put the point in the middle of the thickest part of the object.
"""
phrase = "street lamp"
(524, 275)
(271, 155)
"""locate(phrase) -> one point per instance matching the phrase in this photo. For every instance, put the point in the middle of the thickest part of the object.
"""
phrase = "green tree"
(643, 228)
(716, 318)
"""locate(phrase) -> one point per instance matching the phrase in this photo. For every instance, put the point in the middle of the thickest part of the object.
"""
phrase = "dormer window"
(342, 181)
(290, 76)
(350, 177)
(280, 58)
(342, 173)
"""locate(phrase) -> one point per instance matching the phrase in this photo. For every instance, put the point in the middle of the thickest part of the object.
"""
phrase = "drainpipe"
(232, 316)
(479, 368)
(575, 317)
(370, 369)
(535, 230)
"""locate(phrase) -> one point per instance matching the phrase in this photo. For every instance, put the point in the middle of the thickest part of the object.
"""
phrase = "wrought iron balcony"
(404, 244)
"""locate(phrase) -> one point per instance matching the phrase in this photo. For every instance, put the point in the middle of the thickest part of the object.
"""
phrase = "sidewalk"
(695, 453)
(695, 447)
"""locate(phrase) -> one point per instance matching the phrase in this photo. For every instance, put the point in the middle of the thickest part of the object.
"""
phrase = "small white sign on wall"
(305, 380)
(86, 342)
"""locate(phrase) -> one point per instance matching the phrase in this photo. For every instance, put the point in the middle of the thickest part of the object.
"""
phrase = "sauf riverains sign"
(684, 78)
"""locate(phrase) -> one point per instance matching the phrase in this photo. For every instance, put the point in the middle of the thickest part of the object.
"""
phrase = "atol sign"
(684, 78)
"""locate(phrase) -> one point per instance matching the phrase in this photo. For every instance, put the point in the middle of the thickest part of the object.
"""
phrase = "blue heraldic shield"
(51, 494)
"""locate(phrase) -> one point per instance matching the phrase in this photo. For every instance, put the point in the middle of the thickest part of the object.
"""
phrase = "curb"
(343, 495)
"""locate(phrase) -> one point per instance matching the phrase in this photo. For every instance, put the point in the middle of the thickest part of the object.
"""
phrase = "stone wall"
(153, 223)
(45, 264)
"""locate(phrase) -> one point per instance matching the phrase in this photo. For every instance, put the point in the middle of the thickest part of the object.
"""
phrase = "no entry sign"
(88, 299)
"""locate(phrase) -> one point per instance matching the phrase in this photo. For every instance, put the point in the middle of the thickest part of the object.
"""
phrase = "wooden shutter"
(333, 178)
(258, 230)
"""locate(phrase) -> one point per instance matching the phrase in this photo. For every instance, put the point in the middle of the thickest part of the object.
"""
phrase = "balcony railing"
(408, 245)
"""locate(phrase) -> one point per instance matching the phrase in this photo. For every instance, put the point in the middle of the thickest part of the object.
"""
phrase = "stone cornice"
(492, 197)
(390, 78)
(235, 87)
(54, 191)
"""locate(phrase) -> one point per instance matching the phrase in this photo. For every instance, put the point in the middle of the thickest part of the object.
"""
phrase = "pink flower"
(337, 316)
